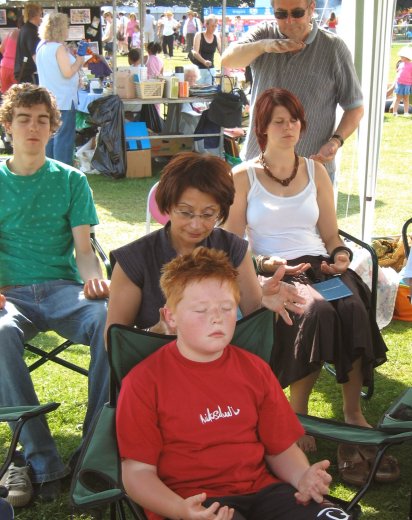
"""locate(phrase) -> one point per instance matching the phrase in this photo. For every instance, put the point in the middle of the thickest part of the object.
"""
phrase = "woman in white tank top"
(284, 203)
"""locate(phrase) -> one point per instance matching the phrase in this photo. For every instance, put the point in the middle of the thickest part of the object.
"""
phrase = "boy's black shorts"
(277, 502)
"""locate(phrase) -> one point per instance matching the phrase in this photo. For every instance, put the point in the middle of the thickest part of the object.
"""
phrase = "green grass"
(121, 207)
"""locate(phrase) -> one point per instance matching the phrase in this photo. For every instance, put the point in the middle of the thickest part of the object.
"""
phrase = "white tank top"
(284, 226)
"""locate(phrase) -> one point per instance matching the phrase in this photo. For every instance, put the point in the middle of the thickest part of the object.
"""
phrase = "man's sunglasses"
(282, 14)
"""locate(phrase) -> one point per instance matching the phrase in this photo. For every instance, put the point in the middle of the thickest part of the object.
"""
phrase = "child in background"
(403, 81)
(153, 63)
(135, 43)
(133, 57)
(204, 429)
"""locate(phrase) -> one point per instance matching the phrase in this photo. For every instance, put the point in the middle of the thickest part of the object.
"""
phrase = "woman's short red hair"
(267, 101)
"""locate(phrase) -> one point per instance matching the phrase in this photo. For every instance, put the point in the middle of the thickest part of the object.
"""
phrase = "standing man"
(149, 23)
(295, 54)
(46, 210)
(25, 64)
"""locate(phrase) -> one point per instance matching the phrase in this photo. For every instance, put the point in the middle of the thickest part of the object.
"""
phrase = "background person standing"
(169, 25)
(121, 35)
(8, 50)
(204, 47)
(107, 38)
(59, 72)
(190, 28)
(148, 28)
(25, 65)
(131, 24)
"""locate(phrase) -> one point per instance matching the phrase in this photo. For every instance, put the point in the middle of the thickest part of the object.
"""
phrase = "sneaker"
(17, 481)
(48, 491)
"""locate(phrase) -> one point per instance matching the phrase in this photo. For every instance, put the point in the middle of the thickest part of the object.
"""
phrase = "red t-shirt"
(206, 426)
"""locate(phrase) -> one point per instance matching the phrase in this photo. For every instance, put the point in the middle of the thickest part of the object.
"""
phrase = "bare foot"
(357, 419)
(307, 443)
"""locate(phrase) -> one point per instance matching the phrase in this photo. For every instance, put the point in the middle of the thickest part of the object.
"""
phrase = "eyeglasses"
(207, 217)
(282, 14)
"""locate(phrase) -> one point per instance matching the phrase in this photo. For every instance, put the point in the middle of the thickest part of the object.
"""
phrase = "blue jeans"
(60, 306)
(61, 144)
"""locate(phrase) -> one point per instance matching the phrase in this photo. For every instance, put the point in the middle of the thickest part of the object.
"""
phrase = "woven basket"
(150, 89)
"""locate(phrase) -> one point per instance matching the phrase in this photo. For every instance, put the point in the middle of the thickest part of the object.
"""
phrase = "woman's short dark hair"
(266, 102)
(204, 172)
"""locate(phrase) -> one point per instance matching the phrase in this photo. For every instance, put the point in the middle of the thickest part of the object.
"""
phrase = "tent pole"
(372, 46)
(114, 57)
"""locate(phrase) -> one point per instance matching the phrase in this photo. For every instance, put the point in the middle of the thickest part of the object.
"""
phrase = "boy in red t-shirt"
(203, 427)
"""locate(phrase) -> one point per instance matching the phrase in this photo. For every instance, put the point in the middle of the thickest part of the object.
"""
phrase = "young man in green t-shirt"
(46, 210)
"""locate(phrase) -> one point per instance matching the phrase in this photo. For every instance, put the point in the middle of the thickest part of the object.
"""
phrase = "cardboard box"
(139, 164)
(168, 147)
(125, 87)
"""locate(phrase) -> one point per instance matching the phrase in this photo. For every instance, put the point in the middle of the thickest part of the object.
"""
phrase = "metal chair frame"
(52, 355)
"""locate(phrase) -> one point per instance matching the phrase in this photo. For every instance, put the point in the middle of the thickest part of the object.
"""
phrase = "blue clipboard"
(332, 289)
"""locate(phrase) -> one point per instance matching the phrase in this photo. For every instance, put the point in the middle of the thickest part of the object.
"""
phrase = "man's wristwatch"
(338, 138)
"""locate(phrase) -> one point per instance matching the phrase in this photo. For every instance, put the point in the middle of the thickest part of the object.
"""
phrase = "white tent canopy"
(368, 33)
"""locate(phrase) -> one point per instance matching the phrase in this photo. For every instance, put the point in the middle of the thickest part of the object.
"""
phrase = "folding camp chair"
(19, 415)
(53, 355)
(97, 478)
(394, 428)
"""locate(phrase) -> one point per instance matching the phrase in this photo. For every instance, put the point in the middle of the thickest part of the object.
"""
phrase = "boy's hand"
(96, 289)
(2, 301)
(193, 509)
(281, 297)
(314, 483)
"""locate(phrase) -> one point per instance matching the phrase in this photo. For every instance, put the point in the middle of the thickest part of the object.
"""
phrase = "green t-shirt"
(37, 214)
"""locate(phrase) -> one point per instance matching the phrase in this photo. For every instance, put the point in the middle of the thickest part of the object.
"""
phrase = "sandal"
(388, 469)
(353, 468)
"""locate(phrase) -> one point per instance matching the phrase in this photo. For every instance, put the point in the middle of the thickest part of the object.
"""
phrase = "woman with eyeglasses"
(196, 192)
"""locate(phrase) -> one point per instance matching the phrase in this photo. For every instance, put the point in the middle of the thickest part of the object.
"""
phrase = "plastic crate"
(150, 89)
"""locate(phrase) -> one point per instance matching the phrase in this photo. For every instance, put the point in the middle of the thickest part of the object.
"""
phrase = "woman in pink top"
(8, 49)
(131, 25)
(153, 63)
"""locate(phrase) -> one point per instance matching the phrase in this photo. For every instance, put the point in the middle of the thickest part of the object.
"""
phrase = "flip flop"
(353, 468)
(388, 470)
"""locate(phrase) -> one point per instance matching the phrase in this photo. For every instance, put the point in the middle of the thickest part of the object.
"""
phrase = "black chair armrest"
(375, 265)
(405, 237)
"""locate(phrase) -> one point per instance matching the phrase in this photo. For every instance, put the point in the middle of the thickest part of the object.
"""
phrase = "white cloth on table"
(85, 98)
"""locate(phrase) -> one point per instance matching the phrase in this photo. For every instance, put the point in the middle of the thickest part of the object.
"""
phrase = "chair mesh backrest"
(127, 346)
(398, 417)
